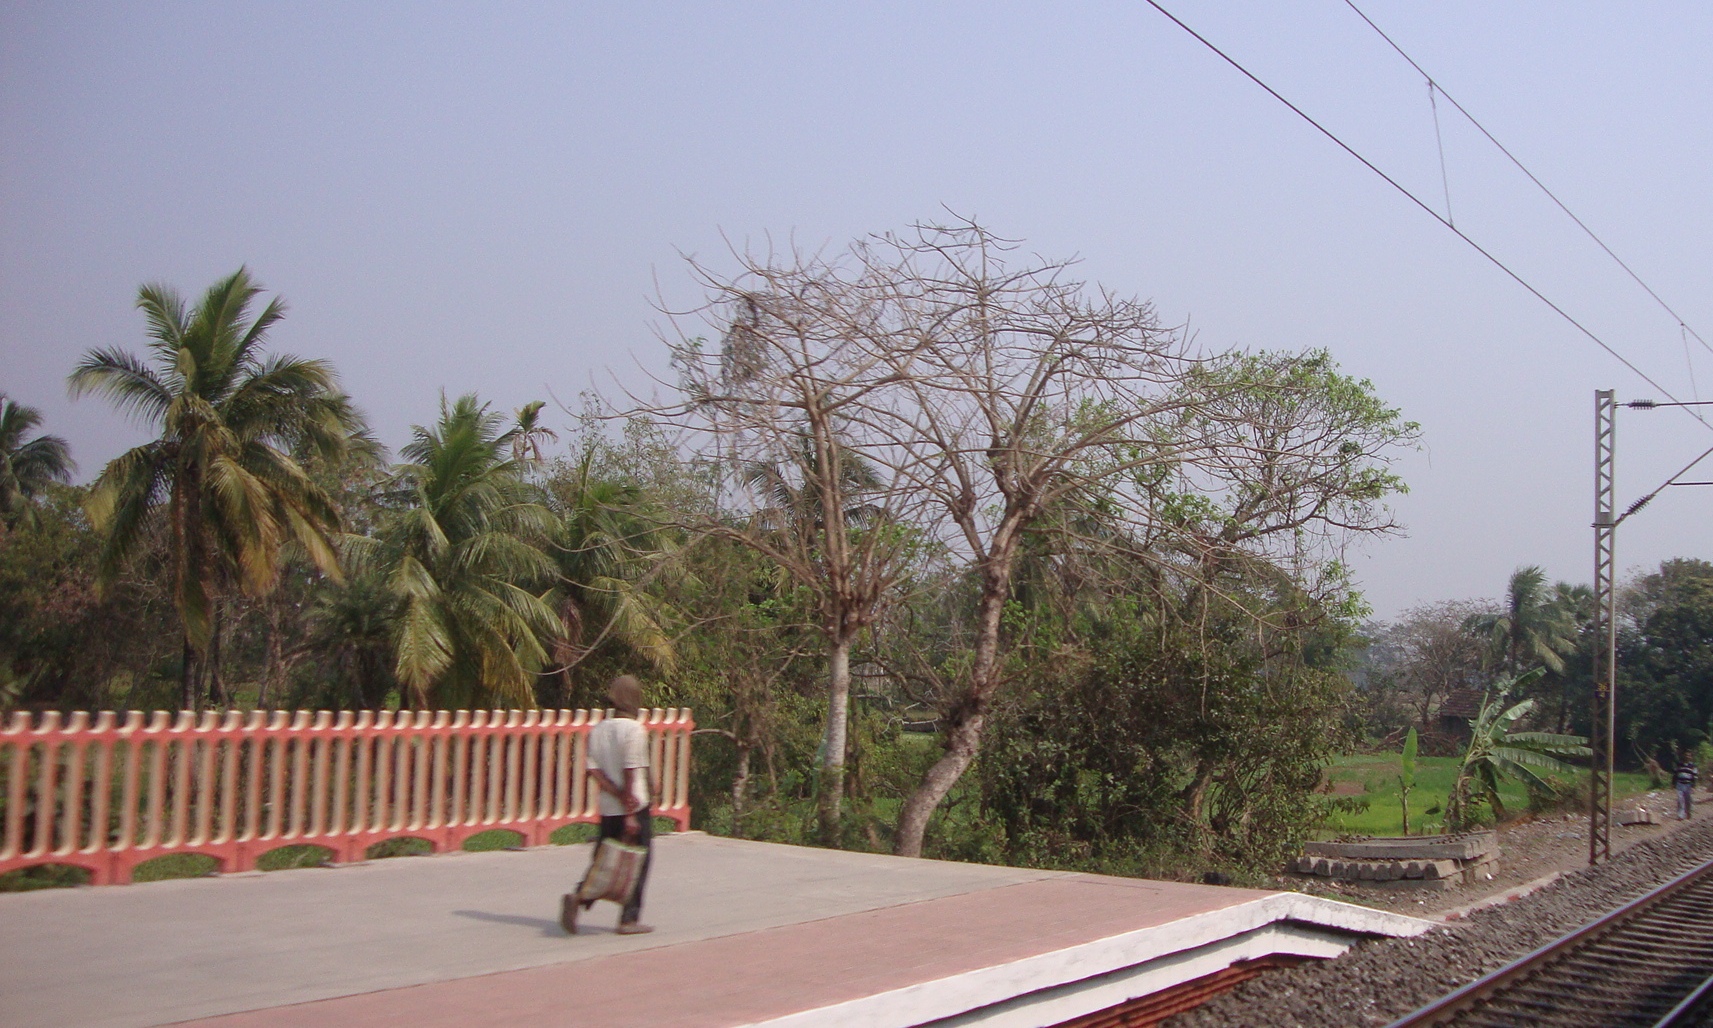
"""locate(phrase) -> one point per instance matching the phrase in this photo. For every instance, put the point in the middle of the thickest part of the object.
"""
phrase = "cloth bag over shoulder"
(613, 873)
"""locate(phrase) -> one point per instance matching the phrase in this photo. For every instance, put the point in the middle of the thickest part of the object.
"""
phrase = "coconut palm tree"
(27, 466)
(229, 419)
(527, 436)
(463, 559)
(1532, 629)
(1574, 606)
(605, 545)
(352, 628)
(1496, 752)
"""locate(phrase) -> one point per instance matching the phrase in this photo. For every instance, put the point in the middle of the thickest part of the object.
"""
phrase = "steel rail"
(1696, 1008)
(1469, 997)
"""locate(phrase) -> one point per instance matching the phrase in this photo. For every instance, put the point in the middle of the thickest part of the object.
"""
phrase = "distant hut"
(1460, 707)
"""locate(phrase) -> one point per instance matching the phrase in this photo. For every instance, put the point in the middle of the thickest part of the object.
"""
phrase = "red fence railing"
(110, 795)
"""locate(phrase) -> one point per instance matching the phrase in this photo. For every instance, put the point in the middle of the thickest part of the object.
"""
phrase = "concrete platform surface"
(746, 933)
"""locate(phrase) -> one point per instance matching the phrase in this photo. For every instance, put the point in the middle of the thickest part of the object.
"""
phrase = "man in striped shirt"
(1684, 779)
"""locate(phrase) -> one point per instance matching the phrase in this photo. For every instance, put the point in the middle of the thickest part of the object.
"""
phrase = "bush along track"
(1378, 982)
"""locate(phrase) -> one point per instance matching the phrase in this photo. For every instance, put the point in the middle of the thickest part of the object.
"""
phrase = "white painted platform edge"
(1053, 1006)
(972, 990)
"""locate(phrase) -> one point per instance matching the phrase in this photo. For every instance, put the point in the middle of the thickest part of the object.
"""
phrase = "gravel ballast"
(1378, 982)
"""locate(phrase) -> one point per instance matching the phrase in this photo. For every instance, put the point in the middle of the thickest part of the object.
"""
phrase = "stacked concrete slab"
(1407, 862)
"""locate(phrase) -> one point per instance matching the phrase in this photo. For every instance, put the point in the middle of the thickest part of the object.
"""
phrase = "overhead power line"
(1435, 215)
(1601, 243)
(1676, 479)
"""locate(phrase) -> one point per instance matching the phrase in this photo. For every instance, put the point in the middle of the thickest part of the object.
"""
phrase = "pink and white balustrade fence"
(107, 793)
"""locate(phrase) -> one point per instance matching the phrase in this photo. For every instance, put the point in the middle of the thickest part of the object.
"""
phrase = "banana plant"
(1407, 780)
(1496, 752)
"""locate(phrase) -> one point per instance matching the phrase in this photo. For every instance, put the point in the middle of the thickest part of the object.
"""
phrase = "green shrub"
(44, 876)
(571, 835)
(493, 839)
(401, 846)
(282, 858)
(176, 865)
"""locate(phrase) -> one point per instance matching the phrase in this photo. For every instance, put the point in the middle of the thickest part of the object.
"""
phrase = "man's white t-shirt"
(615, 744)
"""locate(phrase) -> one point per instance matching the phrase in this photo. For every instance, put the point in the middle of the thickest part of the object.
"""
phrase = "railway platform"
(746, 933)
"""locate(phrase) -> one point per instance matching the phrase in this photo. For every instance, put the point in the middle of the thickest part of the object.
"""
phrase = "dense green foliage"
(1155, 743)
(1665, 660)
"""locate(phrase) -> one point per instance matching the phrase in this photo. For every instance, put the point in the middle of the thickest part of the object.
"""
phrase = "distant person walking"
(1684, 778)
(618, 765)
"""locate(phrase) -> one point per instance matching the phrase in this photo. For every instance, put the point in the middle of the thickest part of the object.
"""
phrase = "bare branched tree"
(1015, 390)
(958, 393)
(1431, 654)
(775, 409)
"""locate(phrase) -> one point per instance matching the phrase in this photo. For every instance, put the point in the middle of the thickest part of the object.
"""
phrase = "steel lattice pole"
(1601, 732)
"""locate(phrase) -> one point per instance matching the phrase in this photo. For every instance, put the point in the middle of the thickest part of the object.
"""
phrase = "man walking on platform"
(618, 765)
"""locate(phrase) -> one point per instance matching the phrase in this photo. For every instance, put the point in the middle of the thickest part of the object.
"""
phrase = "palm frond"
(132, 386)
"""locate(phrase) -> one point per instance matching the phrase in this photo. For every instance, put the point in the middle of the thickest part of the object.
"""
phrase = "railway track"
(1648, 964)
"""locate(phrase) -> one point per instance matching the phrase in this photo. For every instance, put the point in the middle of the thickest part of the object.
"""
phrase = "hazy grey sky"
(484, 198)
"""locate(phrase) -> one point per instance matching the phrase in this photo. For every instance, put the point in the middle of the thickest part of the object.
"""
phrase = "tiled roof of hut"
(1463, 703)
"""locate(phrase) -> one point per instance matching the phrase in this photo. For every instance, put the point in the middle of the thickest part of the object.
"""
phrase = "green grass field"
(1374, 777)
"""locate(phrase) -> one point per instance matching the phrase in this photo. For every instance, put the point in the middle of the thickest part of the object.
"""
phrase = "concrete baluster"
(15, 743)
(416, 740)
(461, 746)
(297, 784)
(561, 769)
(156, 738)
(179, 798)
(71, 809)
(588, 795)
(101, 784)
(514, 770)
(340, 823)
(531, 763)
(322, 743)
(437, 774)
(362, 788)
(381, 819)
(201, 747)
(278, 760)
(682, 739)
(230, 736)
(494, 767)
(47, 776)
(481, 760)
(129, 797)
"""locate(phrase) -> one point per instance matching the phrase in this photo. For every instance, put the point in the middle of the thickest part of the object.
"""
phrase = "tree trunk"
(740, 786)
(963, 738)
(188, 693)
(188, 579)
(963, 741)
(217, 693)
(1195, 794)
(272, 670)
(833, 742)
